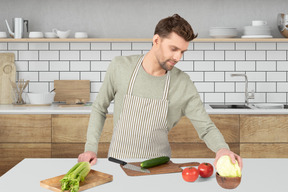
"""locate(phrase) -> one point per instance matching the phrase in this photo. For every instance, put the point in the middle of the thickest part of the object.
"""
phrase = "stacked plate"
(261, 31)
(223, 32)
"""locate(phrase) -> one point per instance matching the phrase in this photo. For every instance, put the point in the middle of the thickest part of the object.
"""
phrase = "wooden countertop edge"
(143, 40)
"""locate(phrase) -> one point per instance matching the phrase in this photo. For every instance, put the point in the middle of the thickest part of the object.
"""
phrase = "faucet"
(247, 94)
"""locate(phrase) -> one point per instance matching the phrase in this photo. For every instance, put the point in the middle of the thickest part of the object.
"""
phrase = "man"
(150, 96)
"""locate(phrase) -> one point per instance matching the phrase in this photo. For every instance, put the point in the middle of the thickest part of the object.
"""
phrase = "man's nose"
(177, 56)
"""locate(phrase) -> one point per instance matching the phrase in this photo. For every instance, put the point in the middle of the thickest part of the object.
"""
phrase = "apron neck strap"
(133, 78)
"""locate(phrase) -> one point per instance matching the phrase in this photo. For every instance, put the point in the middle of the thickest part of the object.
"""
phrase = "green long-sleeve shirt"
(183, 99)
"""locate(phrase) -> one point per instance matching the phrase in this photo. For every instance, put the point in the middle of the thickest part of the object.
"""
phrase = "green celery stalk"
(76, 174)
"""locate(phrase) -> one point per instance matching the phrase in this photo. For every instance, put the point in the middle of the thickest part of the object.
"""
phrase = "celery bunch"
(76, 174)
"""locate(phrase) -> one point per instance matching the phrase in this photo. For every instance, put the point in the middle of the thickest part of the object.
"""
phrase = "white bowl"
(41, 98)
(35, 34)
(50, 35)
(257, 30)
(81, 35)
(223, 32)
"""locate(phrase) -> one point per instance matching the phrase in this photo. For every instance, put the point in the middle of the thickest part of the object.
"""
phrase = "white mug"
(80, 35)
(3, 34)
(259, 23)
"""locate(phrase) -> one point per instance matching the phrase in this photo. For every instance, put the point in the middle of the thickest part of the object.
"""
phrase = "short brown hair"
(176, 24)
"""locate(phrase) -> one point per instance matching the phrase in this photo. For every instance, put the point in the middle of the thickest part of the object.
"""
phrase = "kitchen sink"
(230, 107)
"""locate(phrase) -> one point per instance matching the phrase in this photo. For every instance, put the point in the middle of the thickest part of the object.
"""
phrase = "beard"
(166, 65)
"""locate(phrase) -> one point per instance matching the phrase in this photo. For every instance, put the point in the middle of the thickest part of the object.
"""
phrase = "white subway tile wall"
(209, 65)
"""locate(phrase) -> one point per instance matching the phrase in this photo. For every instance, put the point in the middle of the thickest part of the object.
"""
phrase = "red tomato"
(190, 174)
(205, 169)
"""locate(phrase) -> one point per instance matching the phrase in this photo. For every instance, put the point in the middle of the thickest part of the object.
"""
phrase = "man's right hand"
(88, 156)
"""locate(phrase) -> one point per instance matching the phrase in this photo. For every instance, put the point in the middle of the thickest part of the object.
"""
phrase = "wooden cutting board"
(169, 167)
(93, 179)
(72, 90)
(7, 73)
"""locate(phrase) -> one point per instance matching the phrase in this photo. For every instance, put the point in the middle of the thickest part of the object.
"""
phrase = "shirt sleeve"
(206, 129)
(99, 109)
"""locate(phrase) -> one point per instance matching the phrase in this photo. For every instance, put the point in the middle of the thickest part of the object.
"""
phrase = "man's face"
(169, 50)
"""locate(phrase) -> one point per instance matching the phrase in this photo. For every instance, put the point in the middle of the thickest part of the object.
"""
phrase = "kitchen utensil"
(3, 34)
(18, 27)
(169, 167)
(80, 35)
(61, 34)
(7, 74)
(52, 90)
(282, 21)
(228, 182)
(72, 90)
(129, 166)
(35, 34)
(93, 179)
(41, 98)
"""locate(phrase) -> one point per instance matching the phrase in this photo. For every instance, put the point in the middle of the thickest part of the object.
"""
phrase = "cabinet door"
(25, 128)
(264, 136)
(69, 135)
(185, 142)
(23, 136)
(264, 128)
(264, 150)
(69, 128)
(13, 153)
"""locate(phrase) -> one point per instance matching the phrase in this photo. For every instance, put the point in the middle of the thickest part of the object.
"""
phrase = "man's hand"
(232, 155)
(88, 156)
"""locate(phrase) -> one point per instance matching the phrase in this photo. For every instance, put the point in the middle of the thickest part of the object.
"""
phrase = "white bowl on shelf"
(41, 98)
(223, 32)
(35, 34)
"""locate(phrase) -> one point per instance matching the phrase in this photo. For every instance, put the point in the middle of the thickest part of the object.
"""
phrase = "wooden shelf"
(77, 40)
(143, 40)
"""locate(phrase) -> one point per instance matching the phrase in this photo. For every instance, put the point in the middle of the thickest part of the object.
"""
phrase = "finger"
(93, 161)
(84, 157)
(232, 156)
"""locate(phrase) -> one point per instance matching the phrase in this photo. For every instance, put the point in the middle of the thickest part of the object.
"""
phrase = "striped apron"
(141, 131)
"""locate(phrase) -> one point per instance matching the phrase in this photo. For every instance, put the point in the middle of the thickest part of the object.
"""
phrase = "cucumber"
(154, 162)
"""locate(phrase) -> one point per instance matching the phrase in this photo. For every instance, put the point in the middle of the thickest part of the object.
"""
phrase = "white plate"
(257, 36)
(223, 36)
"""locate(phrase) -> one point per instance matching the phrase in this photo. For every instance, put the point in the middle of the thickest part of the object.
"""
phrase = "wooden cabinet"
(69, 135)
(23, 136)
(185, 141)
(64, 136)
(264, 136)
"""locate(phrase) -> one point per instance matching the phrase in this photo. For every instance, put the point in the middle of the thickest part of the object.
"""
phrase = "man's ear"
(156, 39)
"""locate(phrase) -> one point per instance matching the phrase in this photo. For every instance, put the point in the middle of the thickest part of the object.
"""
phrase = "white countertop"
(257, 175)
(55, 109)
(52, 109)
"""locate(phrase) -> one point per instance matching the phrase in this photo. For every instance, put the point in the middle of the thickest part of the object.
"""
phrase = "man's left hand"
(232, 155)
